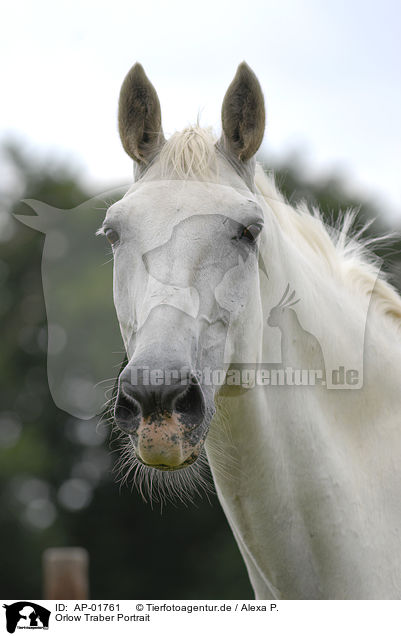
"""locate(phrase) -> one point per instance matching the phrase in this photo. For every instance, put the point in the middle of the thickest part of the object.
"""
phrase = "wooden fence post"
(65, 573)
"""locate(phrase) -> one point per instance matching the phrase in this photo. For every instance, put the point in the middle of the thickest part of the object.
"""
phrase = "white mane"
(342, 255)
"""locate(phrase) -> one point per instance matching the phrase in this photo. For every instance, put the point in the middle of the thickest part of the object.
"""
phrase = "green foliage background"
(136, 550)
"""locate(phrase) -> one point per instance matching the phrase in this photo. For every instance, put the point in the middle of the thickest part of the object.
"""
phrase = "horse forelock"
(189, 154)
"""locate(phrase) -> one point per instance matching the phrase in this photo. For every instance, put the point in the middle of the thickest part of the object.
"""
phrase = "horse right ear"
(139, 117)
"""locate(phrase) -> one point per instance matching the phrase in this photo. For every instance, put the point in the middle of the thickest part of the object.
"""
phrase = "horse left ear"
(139, 116)
(243, 114)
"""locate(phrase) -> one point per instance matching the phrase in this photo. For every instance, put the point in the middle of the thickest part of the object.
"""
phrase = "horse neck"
(296, 467)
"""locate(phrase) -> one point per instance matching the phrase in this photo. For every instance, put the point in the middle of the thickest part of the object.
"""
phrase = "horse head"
(185, 239)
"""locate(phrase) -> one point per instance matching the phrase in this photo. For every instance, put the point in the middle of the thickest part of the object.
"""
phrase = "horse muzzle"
(165, 421)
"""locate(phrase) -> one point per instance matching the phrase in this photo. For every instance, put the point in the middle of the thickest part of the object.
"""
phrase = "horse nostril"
(131, 395)
(191, 403)
(127, 409)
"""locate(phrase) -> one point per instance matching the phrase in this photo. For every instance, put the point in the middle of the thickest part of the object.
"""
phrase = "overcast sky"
(330, 71)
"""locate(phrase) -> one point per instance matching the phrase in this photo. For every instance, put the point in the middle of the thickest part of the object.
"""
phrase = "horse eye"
(251, 232)
(112, 236)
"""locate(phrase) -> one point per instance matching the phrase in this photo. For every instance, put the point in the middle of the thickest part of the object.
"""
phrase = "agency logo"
(26, 615)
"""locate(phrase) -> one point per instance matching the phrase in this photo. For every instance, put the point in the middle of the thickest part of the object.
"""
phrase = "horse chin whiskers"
(162, 486)
(156, 485)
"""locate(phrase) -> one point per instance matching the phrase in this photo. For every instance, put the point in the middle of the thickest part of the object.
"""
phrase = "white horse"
(204, 247)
